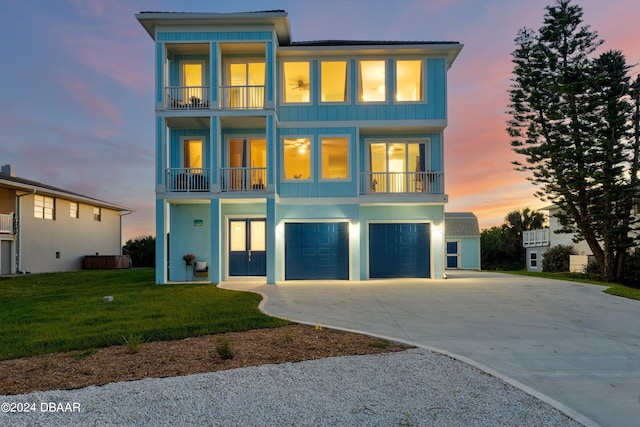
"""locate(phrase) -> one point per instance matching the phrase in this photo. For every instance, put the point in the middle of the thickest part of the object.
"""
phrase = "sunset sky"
(77, 81)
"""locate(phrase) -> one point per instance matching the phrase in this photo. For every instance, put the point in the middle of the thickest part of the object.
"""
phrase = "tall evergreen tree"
(570, 119)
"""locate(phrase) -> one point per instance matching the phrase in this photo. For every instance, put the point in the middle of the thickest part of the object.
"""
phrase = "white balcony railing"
(6, 224)
(244, 179)
(534, 238)
(402, 182)
(187, 97)
(185, 180)
(242, 97)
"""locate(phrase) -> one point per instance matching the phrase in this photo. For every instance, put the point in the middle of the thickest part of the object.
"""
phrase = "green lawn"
(55, 312)
(612, 288)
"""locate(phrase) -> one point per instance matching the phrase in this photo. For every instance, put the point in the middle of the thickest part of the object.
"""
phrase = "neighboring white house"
(47, 229)
(537, 242)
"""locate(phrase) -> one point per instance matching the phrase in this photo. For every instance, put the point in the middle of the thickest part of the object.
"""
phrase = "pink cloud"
(92, 102)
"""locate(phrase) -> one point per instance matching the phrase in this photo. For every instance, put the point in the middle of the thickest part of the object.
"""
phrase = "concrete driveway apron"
(566, 341)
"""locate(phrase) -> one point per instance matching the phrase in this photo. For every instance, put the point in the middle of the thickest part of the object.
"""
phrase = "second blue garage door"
(317, 251)
(399, 250)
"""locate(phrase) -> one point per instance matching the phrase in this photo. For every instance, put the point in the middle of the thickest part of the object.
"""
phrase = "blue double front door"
(247, 247)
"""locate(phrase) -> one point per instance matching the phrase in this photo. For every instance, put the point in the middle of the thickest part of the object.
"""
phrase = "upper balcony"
(535, 238)
(6, 224)
(198, 97)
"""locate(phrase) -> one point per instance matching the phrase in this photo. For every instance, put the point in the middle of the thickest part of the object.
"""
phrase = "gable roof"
(29, 186)
(461, 224)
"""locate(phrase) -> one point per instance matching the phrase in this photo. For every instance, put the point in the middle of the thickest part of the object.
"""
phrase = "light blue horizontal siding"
(200, 36)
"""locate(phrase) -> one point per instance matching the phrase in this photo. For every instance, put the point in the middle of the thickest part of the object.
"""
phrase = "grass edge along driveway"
(55, 312)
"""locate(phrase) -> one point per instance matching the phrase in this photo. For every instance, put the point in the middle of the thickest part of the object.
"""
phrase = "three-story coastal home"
(293, 160)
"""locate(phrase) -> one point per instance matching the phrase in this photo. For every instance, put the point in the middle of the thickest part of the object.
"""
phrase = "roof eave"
(279, 19)
(36, 189)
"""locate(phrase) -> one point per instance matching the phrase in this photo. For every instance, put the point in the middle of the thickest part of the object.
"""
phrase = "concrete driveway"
(567, 343)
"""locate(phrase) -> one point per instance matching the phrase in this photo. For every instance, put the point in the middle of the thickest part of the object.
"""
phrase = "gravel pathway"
(410, 388)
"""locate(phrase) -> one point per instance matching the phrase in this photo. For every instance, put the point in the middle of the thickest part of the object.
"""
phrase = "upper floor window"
(193, 153)
(297, 81)
(97, 214)
(398, 166)
(333, 83)
(193, 81)
(373, 78)
(74, 210)
(408, 80)
(44, 207)
(335, 158)
(246, 81)
(297, 158)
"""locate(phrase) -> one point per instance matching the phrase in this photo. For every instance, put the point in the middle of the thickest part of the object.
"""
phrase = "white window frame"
(359, 101)
(97, 216)
(76, 210)
(311, 158)
(533, 260)
(42, 210)
(183, 159)
(346, 83)
(284, 82)
(349, 174)
(423, 82)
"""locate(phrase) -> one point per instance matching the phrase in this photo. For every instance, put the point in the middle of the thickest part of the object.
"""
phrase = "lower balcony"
(245, 179)
(402, 182)
(6, 224)
(187, 180)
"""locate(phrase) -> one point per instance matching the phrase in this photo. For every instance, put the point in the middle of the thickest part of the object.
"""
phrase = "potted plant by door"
(188, 260)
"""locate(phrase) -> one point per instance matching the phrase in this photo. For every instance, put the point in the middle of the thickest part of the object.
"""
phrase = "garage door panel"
(399, 250)
(317, 251)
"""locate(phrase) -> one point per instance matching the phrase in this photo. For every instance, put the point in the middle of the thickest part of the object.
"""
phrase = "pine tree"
(570, 119)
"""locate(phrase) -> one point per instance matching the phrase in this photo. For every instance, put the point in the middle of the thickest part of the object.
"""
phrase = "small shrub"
(133, 343)
(377, 343)
(286, 336)
(556, 259)
(631, 272)
(592, 271)
(79, 355)
(224, 349)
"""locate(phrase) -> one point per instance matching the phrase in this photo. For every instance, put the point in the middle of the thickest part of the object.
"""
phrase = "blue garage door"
(399, 250)
(316, 251)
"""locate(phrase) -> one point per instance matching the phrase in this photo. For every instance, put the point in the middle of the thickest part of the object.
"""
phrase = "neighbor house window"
(297, 158)
(373, 78)
(533, 260)
(333, 83)
(335, 158)
(97, 214)
(74, 210)
(409, 80)
(296, 82)
(44, 207)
